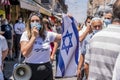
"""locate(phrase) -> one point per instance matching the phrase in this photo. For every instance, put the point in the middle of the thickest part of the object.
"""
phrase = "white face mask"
(6, 22)
(20, 20)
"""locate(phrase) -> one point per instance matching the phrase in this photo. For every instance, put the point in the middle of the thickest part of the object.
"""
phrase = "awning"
(33, 6)
(59, 18)
(29, 4)
(45, 11)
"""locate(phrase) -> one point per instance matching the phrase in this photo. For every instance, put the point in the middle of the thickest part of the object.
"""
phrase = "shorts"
(10, 43)
(41, 71)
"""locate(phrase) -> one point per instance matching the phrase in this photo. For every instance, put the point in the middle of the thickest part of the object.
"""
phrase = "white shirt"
(41, 49)
(82, 30)
(19, 28)
(3, 47)
(80, 43)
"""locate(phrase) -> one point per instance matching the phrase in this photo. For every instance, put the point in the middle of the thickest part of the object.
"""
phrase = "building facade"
(25, 7)
(93, 5)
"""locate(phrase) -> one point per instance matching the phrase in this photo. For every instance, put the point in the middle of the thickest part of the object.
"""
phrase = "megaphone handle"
(19, 58)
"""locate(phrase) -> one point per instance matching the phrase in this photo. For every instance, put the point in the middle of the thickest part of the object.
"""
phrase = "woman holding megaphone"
(35, 47)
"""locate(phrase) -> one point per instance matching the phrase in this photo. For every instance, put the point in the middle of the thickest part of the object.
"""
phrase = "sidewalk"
(9, 69)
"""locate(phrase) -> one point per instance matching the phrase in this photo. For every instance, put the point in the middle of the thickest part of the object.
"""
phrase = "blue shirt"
(85, 43)
(19, 28)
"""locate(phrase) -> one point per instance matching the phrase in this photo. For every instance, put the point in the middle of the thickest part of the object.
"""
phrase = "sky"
(78, 9)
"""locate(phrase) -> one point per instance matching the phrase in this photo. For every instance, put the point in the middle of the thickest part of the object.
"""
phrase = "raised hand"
(35, 32)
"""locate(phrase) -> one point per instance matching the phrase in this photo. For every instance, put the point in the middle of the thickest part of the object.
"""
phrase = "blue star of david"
(64, 46)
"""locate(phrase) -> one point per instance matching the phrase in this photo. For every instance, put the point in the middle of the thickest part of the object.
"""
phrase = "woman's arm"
(58, 38)
(26, 46)
(82, 37)
(54, 51)
(80, 65)
(4, 54)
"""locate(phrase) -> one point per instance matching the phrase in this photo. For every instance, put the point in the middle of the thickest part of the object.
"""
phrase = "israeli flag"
(68, 56)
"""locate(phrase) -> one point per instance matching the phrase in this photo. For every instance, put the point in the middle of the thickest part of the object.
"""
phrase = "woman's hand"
(78, 74)
(88, 29)
(52, 58)
(35, 32)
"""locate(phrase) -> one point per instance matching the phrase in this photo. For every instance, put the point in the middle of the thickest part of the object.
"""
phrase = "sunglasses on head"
(35, 20)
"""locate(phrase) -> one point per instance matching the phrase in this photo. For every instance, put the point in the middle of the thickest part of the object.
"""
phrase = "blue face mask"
(95, 31)
(107, 21)
(36, 24)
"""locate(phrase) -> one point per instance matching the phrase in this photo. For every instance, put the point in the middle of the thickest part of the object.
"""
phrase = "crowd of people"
(39, 41)
(100, 46)
(16, 36)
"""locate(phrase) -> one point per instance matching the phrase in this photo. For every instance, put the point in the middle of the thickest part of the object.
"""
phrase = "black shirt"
(8, 31)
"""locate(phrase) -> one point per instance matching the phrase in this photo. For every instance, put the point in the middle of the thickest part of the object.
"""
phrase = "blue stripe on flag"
(77, 38)
(62, 26)
(61, 64)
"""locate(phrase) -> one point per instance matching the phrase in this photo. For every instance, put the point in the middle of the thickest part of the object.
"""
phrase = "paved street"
(9, 68)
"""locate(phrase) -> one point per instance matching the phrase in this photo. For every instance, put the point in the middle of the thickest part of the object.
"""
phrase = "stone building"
(93, 5)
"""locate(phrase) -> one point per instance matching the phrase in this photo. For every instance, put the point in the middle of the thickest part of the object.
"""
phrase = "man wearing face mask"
(104, 49)
(96, 25)
(8, 34)
(19, 28)
(107, 18)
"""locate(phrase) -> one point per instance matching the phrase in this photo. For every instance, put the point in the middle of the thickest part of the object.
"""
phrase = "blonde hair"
(28, 28)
